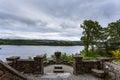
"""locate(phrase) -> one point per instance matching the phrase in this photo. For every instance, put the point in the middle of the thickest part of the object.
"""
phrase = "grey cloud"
(13, 17)
(71, 34)
(68, 9)
(60, 16)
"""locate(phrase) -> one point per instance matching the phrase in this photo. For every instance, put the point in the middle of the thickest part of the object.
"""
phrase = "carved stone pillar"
(57, 55)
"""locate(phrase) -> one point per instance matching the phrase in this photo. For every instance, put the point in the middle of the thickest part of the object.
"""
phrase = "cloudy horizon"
(53, 19)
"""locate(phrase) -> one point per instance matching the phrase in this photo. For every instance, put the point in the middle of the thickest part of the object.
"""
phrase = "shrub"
(92, 53)
(30, 58)
(116, 53)
(64, 57)
(45, 57)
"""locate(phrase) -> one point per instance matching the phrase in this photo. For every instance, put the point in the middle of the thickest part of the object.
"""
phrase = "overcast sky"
(53, 19)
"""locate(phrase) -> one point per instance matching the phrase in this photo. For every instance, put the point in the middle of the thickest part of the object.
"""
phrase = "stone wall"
(8, 73)
(84, 66)
(26, 65)
(112, 70)
(36, 65)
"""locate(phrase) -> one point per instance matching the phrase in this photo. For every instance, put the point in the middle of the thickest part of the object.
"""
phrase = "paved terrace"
(49, 75)
(67, 75)
(62, 77)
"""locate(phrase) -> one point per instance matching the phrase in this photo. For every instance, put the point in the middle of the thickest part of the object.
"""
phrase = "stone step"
(58, 70)
(98, 73)
(58, 67)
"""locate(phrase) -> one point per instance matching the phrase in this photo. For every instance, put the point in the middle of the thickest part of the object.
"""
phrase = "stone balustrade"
(26, 65)
(85, 66)
(36, 65)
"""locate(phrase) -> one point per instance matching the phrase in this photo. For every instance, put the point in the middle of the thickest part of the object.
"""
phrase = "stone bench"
(98, 73)
(58, 69)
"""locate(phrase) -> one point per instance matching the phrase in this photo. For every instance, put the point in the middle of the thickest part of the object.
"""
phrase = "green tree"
(114, 31)
(114, 34)
(91, 32)
(103, 40)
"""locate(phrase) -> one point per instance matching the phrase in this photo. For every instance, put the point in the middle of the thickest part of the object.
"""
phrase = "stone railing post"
(13, 59)
(57, 55)
(102, 60)
(38, 65)
(77, 60)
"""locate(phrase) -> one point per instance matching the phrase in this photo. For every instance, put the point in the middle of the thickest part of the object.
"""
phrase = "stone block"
(13, 58)
(78, 58)
(98, 73)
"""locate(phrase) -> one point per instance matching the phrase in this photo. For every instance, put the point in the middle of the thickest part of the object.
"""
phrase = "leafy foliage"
(114, 31)
(116, 53)
(45, 57)
(92, 54)
(103, 38)
(91, 34)
(30, 58)
(64, 57)
(118, 62)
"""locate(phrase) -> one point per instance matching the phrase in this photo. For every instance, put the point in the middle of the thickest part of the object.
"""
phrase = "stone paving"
(67, 75)
(63, 76)
(67, 69)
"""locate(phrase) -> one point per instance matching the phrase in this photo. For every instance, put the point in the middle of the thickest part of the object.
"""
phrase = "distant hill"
(39, 42)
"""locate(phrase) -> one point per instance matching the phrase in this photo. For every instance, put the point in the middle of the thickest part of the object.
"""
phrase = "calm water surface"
(26, 51)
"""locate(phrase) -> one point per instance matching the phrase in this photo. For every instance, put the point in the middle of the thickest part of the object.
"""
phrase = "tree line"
(39, 42)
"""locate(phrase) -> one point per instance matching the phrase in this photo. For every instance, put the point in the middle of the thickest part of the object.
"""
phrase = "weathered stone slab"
(98, 73)
(13, 58)
(59, 76)
(110, 67)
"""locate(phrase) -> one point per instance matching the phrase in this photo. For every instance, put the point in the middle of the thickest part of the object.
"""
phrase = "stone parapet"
(27, 65)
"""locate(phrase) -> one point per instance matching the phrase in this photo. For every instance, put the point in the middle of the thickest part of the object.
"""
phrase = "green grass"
(118, 62)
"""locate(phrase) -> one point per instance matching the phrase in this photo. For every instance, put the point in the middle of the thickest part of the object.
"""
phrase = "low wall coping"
(25, 60)
(90, 61)
(78, 56)
(102, 58)
(13, 58)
